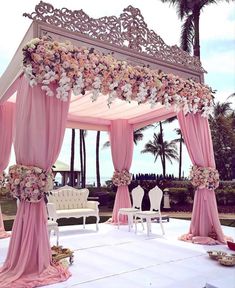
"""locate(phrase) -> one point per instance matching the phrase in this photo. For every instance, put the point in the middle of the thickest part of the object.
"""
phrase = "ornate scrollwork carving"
(129, 30)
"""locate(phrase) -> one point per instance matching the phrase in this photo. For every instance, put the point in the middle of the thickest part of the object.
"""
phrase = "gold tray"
(59, 253)
(216, 255)
(228, 260)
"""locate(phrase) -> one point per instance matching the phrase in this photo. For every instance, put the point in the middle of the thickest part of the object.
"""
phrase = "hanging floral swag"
(29, 183)
(121, 178)
(80, 69)
(204, 177)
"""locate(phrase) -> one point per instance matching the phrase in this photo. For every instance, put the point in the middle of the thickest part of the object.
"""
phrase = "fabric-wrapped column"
(205, 218)
(121, 138)
(40, 126)
(6, 133)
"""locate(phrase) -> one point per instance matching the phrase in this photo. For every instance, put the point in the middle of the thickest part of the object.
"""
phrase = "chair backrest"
(155, 197)
(137, 196)
(68, 198)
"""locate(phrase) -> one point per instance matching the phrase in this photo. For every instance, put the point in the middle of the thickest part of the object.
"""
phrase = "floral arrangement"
(204, 177)
(3, 184)
(80, 69)
(29, 183)
(2, 179)
(121, 178)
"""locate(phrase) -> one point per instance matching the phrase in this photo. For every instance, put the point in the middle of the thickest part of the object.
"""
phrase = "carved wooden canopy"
(128, 30)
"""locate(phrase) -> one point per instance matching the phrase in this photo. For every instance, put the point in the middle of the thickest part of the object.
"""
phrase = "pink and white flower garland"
(29, 183)
(121, 178)
(80, 69)
(204, 177)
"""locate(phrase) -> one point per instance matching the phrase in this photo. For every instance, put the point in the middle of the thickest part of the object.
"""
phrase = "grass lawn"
(9, 208)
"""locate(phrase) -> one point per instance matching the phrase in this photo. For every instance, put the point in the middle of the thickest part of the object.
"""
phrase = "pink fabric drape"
(197, 137)
(121, 138)
(40, 126)
(6, 133)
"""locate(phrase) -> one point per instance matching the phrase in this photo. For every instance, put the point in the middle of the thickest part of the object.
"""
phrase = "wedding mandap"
(108, 74)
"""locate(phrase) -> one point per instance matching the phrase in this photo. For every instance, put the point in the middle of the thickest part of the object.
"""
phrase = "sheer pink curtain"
(197, 137)
(121, 138)
(40, 126)
(6, 133)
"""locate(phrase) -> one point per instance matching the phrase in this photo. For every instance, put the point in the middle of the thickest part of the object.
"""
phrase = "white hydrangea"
(78, 86)
(140, 97)
(127, 89)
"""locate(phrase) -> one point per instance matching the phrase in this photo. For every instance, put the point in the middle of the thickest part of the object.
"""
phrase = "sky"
(217, 34)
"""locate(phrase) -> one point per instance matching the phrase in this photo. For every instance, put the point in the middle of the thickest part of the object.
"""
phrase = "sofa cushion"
(67, 213)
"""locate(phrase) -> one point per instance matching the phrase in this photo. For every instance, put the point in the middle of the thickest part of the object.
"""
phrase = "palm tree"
(222, 109)
(82, 135)
(72, 158)
(180, 140)
(223, 137)
(167, 121)
(232, 95)
(189, 11)
(97, 159)
(155, 147)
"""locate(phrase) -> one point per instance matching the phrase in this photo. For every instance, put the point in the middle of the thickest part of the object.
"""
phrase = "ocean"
(90, 181)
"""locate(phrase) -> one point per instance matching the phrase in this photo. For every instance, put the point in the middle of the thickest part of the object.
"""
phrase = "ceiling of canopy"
(83, 113)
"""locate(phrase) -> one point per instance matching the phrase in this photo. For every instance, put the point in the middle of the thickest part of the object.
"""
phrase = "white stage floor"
(115, 258)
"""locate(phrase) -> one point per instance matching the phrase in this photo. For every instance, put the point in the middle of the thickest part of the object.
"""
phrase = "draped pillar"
(197, 137)
(40, 127)
(6, 133)
(121, 138)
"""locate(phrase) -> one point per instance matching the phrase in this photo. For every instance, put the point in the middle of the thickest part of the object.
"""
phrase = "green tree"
(82, 135)
(167, 121)
(155, 147)
(223, 137)
(71, 182)
(98, 159)
(180, 140)
(189, 12)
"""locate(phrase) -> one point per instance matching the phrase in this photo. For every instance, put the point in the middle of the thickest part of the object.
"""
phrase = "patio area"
(118, 258)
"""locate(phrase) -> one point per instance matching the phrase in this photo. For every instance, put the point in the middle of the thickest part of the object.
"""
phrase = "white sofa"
(67, 202)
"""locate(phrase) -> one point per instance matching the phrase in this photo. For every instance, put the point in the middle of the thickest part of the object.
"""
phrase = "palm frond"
(144, 128)
(233, 94)
(183, 8)
(180, 139)
(222, 109)
(138, 135)
(187, 34)
(204, 3)
(106, 144)
(170, 120)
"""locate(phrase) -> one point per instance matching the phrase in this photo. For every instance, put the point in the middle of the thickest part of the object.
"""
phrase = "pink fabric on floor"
(197, 137)
(121, 138)
(40, 126)
(29, 266)
(6, 134)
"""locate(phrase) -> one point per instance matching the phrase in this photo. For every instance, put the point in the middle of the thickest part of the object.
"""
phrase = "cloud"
(221, 62)
(222, 96)
(216, 22)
